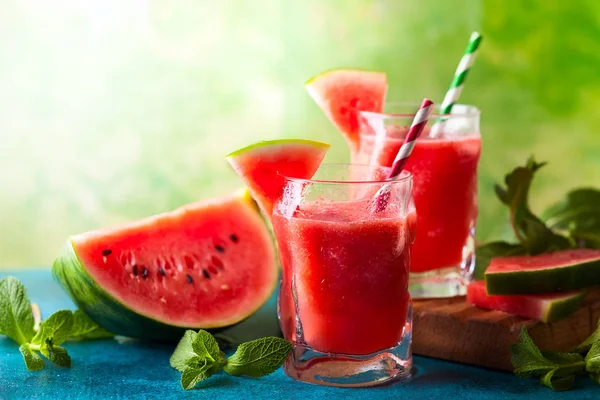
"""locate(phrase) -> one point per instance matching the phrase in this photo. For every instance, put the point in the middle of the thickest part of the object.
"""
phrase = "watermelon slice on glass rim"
(262, 166)
(209, 264)
(343, 93)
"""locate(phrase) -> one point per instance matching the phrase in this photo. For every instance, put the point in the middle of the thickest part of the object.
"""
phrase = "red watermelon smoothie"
(445, 193)
(347, 272)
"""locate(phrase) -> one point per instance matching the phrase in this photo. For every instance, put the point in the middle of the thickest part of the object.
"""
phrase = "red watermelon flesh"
(207, 264)
(262, 166)
(343, 93)
(543, 307)
(559, 271)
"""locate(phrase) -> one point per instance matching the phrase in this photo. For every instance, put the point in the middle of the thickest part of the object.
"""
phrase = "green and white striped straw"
(458, 81)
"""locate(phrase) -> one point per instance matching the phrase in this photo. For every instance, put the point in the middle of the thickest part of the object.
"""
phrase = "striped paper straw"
(458, 81)
(416, 128)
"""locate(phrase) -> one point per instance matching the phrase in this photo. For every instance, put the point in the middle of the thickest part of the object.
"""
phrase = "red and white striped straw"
(418, 124)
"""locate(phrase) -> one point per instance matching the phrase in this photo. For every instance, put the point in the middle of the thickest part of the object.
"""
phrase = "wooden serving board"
(453, 330)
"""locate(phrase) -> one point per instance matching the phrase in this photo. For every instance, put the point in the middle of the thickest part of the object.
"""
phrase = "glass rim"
(471, 111)
(405, 176)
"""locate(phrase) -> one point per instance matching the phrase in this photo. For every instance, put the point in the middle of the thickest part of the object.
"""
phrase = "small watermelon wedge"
(263, 165)
(209, 264)
(559, 271)
(542, 307)
(343, 93)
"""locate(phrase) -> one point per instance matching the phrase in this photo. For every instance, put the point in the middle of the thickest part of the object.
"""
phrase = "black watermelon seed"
(144, 272)
(206, 274)
(220, 248)
(106, 252)
(135, 270)
(234, 238)
(161, 271)
(189, 279)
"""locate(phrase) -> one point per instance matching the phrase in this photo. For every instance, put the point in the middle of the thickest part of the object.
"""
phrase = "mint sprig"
(198, 357)
(18, 323)
(572, 222)
(556, 370)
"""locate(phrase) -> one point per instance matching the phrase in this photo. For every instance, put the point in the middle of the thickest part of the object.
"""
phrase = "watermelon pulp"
(343, 93)
(543, 307)
(559, 271)
(208, 264)
(263, 166)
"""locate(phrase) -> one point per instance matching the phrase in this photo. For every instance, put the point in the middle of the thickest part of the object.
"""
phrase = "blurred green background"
(115, 110)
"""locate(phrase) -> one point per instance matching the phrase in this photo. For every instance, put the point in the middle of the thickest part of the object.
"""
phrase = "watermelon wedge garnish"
(343, 93)
(263, 165)
(543, 307)
(209, 264)
(559, 271)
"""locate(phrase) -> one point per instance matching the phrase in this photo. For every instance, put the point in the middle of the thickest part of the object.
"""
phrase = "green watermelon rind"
(560, 309)
(270, 143)
(102, 307)
(338, 70)
(547, 280)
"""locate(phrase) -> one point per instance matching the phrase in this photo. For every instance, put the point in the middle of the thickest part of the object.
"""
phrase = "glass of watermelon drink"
(444, 171)
(344, 300)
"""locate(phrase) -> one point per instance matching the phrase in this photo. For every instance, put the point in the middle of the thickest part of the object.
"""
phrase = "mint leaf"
(33, 361)
(259, 357)
(564, 359)
(527, 359)
(587, 343)
(578, 215)
(592, 359)
(184, 351)
(58, 355)
(557, 383)
(55, 329)
(486, 252)
(194, 374)
(16, 317)
(86, 328)
(205, 345)
(530, 231)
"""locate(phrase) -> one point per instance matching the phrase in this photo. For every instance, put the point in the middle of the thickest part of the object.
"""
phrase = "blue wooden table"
(140, 370)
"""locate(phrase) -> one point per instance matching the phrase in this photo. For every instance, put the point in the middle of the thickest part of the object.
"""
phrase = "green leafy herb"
(16, 317)
(527, 359)
(592, 359)
(84, 328)
(578, 215)
(587, 343)
(18, 323)
(533, 236)
(556, 370)
(259, 357)
(52, 333)
(33, 361)
(197, 356)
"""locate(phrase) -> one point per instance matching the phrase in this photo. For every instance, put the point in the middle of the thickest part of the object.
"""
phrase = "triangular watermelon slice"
(543, 307)
(343, 93)
(263, 165)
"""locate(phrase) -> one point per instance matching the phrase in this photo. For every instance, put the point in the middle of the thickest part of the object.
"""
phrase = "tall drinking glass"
(444, 170)
(344, 300)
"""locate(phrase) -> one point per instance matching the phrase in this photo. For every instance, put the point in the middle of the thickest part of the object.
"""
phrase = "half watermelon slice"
(559, 271)
(543, 307)
(343, 93)
(263, 165)
(209, 264)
